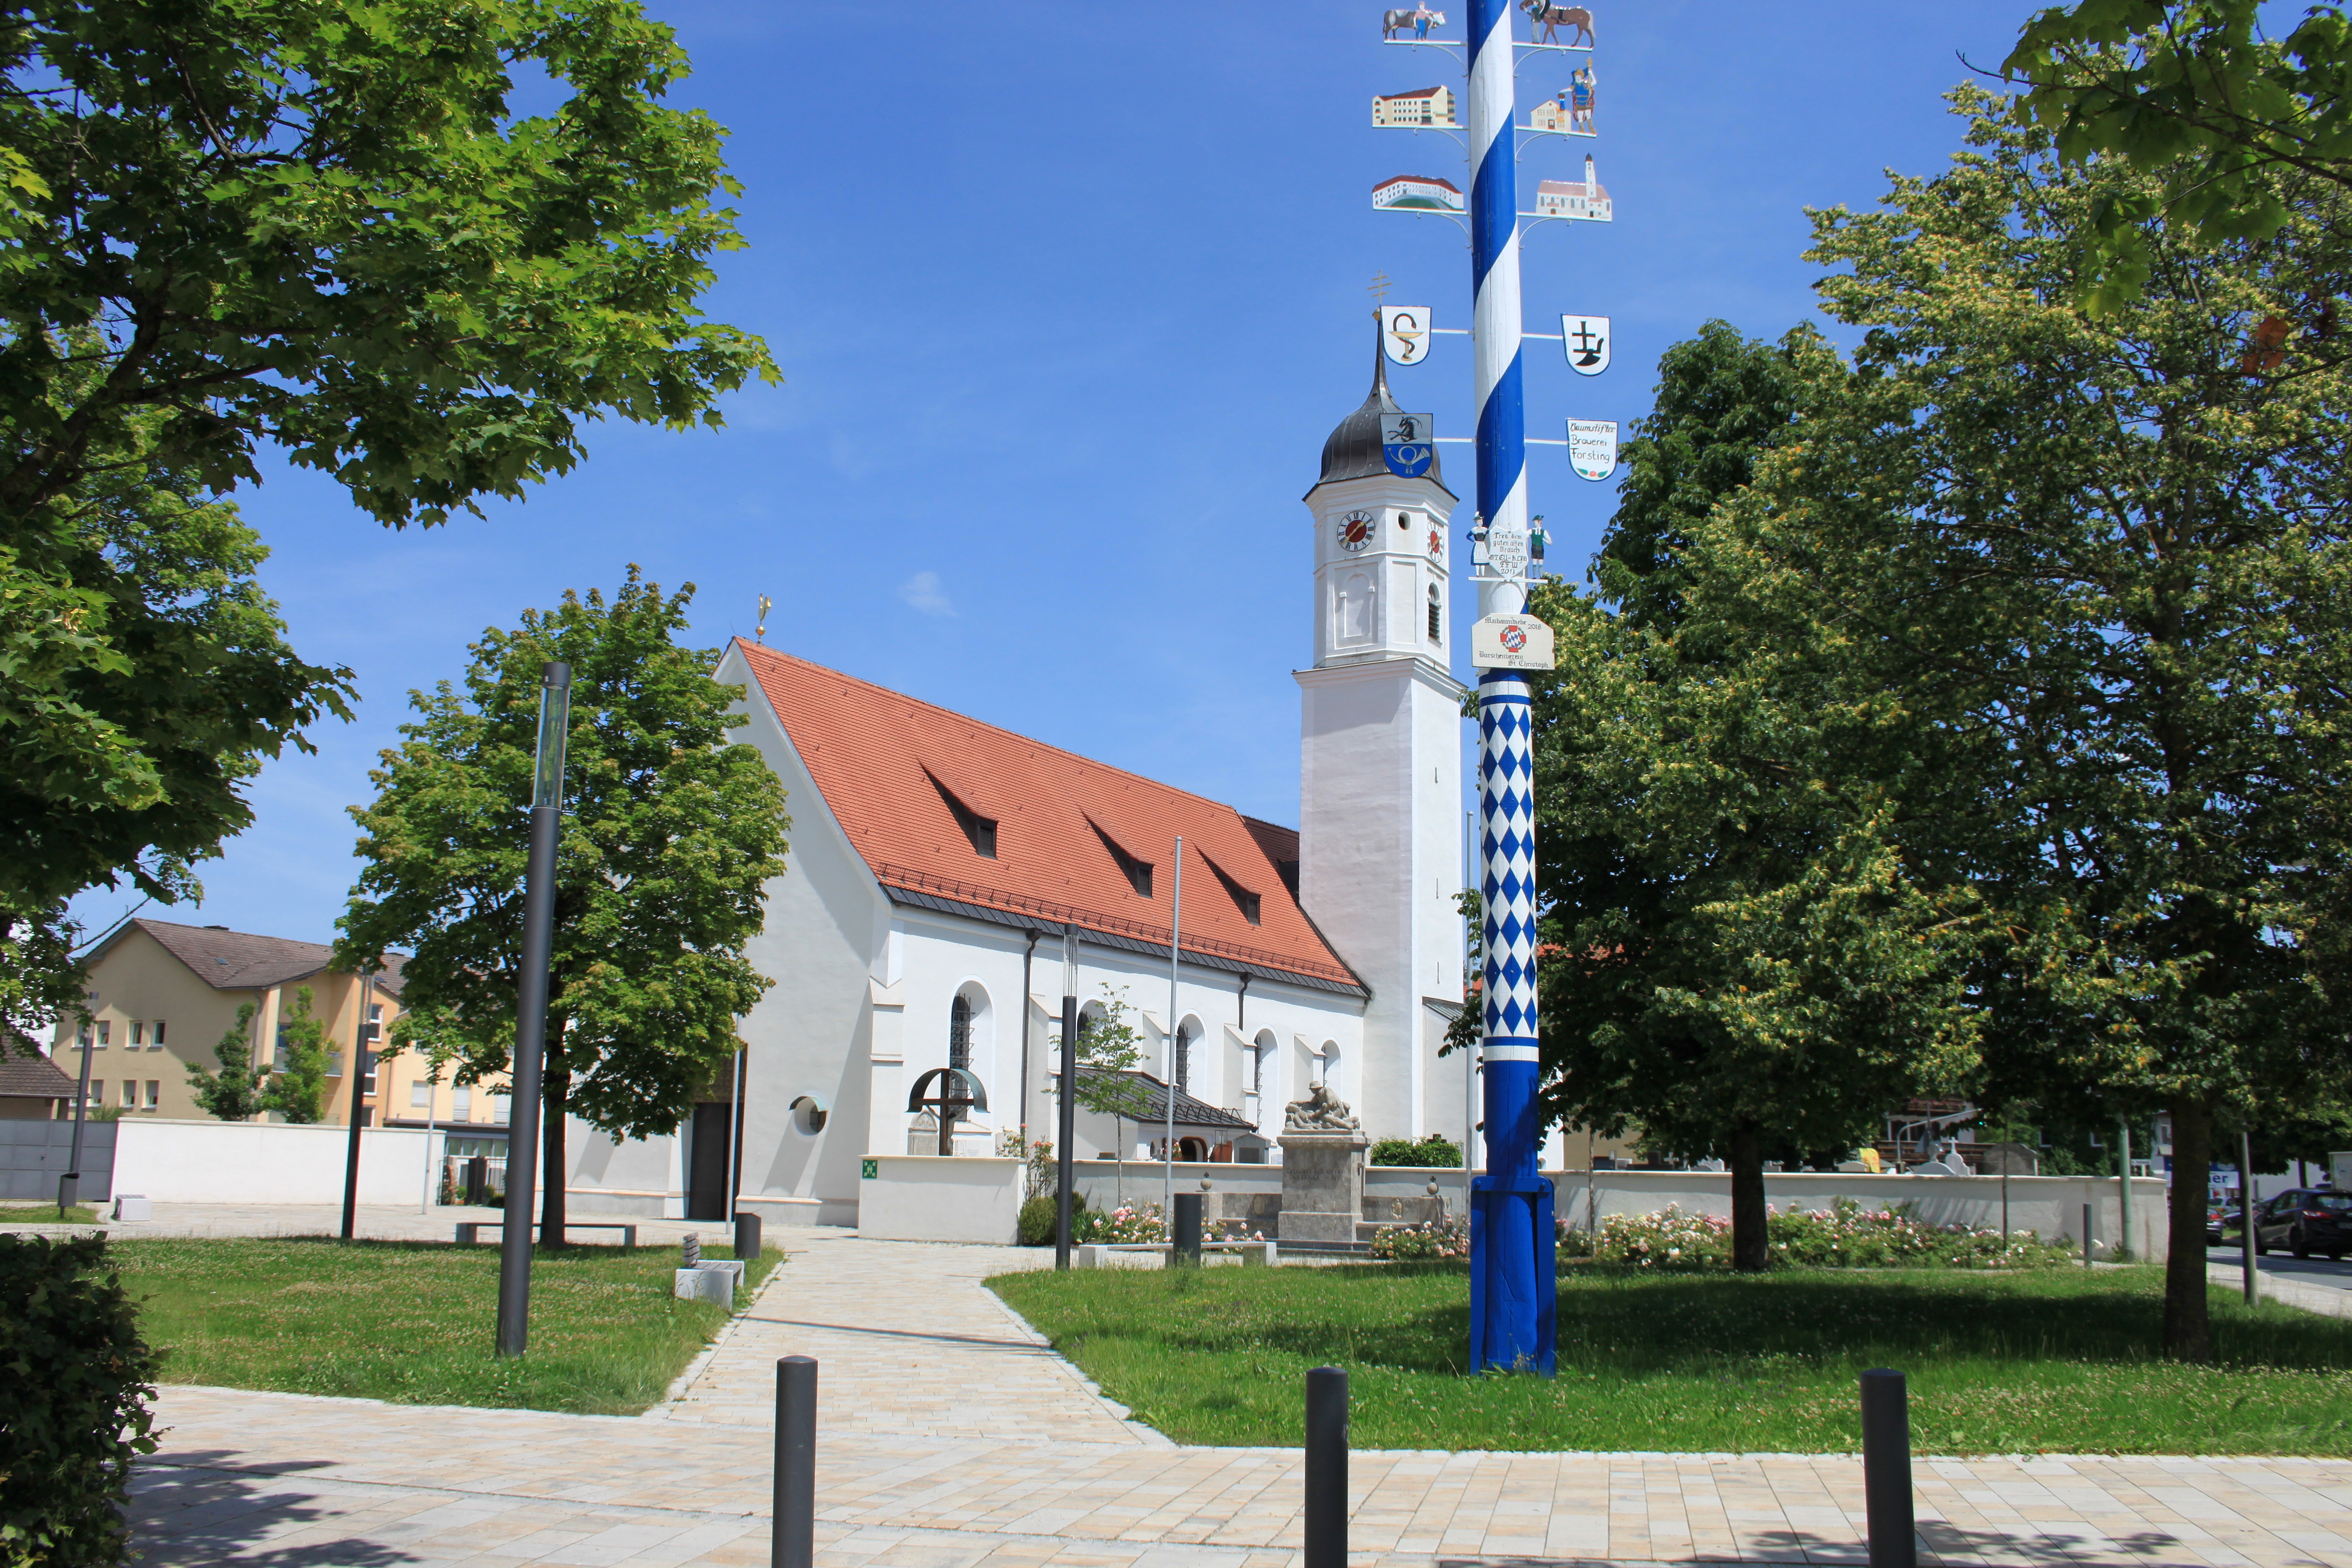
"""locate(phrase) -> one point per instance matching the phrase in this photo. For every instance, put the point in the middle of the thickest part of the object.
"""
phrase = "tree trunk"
(1750, 1250)
(557, 1088)
(2186, 1331)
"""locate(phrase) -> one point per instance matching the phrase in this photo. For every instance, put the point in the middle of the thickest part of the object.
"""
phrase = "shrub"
(1433, 1239)
(1039, 1214)
(75, 1382)
(1844, 1236)
(1430, 1151)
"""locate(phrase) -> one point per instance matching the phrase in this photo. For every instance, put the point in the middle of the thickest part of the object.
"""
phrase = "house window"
(1138, 872)
(103, 1027)
(461, 1103)
(98, 1092)
(83, 1037)
(156, 1039)
(978, 831)
(960, 1033)
(420, 1097)
(334, 1064)
(130, 1094)
(138, 1034)
(154, 1094)
(1436, 626)
(498, 1108)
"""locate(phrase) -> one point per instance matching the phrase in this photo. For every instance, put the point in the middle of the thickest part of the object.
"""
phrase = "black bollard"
(793, 1540)
(2087, 1236)
(1886, 1469)
(1326, 1467)
(747, 1238)
(1188, 1228)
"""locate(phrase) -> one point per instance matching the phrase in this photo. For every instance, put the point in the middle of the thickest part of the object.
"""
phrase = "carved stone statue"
(1320, 1111)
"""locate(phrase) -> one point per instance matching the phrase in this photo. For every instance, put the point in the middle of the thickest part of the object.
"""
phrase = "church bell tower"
(1381, 773)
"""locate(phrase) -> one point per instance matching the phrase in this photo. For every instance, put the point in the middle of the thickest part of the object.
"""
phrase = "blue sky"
(1066, 298)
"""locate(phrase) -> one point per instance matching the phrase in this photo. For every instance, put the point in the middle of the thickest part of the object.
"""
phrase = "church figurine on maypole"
(1513, 1289)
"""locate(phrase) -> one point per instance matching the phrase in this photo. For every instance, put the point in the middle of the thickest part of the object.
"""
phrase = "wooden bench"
(469, 1231)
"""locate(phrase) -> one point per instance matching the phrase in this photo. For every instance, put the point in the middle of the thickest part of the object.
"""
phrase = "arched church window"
(1437, 623)
(960, 1033)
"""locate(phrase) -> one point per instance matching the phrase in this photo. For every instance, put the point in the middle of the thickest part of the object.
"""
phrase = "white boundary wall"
(266, 1163)
(933, 1197)
(2052, 1207)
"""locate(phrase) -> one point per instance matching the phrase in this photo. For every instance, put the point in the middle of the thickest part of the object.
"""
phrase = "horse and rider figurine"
(1421, 19)
(1550, 18)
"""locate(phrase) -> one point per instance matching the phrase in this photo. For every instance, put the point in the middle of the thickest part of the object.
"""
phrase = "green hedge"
(75, 1382)
(1433, 1149)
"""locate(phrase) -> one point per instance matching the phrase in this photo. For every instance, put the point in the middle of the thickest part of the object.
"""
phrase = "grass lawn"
(2054, 1361)
(46, 1214)
(413, 1322)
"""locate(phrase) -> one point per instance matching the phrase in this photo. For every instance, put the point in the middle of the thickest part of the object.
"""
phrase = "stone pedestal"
(1322, 1187)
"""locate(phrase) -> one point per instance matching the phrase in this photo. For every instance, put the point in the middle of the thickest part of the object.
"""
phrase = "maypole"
(1511, 1244)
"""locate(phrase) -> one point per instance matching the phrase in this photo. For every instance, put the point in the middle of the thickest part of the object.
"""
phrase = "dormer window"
(979, 831)
(1138, 872)
(1243, 900)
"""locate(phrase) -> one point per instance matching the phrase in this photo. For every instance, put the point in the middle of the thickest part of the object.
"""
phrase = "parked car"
(2304, 1222)
(2220, 1217)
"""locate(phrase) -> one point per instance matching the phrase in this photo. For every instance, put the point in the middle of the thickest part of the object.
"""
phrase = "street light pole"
(531, 1006)
(361, 1037)
(1065, 1129)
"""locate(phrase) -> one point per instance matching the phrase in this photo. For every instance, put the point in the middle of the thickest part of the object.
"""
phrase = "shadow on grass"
(205, 1507)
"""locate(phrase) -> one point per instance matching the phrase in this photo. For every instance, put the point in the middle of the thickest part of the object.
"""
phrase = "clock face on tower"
(1355, 530)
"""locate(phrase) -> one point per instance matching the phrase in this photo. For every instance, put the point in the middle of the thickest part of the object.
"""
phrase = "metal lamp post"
(531, 1006)
(1065, 1129)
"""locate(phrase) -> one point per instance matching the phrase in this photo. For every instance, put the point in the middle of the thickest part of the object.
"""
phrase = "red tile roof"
(882, 760)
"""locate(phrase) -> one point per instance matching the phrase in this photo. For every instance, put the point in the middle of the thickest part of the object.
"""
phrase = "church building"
(939, 866)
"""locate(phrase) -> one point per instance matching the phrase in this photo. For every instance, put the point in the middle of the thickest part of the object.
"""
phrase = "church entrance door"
(705, 1178)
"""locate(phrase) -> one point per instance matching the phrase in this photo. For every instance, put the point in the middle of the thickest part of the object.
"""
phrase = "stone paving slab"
(909, 1344)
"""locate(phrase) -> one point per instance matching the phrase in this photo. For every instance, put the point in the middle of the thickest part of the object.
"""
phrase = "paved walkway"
(991, 1451)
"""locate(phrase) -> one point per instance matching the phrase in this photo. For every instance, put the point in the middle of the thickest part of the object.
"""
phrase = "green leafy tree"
(670, 836)
(325, 226)
(1110, 1049)
(1744, 962)
(298, 1089)
(2099, 564)
(2198, 99)
(240, 1091)
(333, 226)
(148, 679)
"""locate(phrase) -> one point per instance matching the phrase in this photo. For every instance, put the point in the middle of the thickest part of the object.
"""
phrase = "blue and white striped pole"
(1512, 1289)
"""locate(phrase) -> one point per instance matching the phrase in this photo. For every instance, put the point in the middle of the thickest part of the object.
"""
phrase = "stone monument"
(1323, 1149)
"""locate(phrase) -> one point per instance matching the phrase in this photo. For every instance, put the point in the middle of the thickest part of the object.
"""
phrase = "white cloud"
(922, 590)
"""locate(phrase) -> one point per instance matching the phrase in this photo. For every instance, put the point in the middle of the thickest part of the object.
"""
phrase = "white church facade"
(938, 865)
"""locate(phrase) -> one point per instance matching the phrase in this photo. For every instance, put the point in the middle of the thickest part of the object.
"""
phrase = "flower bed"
(1124, 1224)
(1435, 1239)
(1844, 1236)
